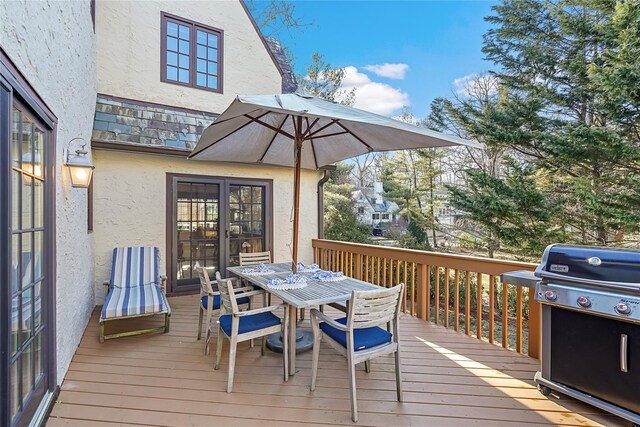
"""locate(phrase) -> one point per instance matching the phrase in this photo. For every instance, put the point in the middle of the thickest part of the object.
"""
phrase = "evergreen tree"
(340, 218)
(324, 81)
(561, 126)
(549, 53)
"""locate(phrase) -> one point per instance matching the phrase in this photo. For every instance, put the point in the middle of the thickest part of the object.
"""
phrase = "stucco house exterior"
(136, 83)
(373, 208)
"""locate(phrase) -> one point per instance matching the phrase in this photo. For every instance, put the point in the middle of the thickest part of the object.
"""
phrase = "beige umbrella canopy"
(304, 131)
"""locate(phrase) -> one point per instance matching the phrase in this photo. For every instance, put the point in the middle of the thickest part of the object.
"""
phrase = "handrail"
(442, 287)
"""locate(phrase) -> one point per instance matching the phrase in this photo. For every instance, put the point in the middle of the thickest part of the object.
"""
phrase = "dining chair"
(238, 326)
(247, 259)
(209, 304)
(359, 336)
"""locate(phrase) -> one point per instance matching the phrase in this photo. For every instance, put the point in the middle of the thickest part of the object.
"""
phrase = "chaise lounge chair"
(136, 289)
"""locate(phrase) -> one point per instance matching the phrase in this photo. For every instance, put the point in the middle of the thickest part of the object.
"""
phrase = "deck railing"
(456, 291)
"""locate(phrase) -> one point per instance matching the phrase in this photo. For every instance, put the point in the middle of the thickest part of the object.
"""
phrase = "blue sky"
(430, 43)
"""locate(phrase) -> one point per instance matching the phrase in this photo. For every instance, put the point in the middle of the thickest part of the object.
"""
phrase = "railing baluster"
(505, 315)
(456, 300)
(358, 263)
(366, 268)
(446, 297)
(436, 303)
(424, 274)
(479, 306)
(378, 271)
(492, 310)
(406, 284)
(397, 272)
(467, 303)
(384, 272)
(519, 319)
(413, 289)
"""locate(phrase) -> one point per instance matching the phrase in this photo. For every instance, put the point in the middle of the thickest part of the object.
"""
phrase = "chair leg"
(398, 377)
(167, 320)
(317, 339)
(207, 342)
(216, 365)
(233, 345)
(367, 366)
(101, 338)
(264, 345)
(352, 390)
(200, 316)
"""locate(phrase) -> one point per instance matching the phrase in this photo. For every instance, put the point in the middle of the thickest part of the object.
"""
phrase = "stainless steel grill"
(590, 300)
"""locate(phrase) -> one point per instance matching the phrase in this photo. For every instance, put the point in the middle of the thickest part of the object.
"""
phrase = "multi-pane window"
(191, 54)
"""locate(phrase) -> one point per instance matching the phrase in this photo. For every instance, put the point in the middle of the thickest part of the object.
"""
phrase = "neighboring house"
(137, 82)
(373, 208)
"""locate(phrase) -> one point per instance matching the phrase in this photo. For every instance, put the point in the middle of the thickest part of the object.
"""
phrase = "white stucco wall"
(53, 45)
(129, 35)
(130, 204)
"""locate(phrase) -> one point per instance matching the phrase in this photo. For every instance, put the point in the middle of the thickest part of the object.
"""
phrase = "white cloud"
(391, 71)
(375, 97)
(475, 83)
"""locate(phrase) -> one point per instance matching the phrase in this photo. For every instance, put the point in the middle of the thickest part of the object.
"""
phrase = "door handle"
(623, 352)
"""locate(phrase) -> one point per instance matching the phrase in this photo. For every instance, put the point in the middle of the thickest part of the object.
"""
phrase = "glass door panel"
(197, 231)
(28, 329)
(246, 220)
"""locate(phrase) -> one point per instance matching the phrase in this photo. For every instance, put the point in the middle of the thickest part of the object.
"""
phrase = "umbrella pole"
(296, 195)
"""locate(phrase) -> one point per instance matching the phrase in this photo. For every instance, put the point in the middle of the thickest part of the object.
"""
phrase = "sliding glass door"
(213, 220)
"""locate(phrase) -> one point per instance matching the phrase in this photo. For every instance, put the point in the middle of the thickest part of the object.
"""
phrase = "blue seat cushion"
(216, 301)
(362, 338)
(249, 323)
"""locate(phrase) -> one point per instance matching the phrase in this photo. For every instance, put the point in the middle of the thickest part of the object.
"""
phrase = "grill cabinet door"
(586, 355)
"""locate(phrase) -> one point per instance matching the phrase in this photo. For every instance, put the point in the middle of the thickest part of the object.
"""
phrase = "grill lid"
(591, 264)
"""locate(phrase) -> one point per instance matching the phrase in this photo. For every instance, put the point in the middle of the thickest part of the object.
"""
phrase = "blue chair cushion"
(249, 323)
(216, 301)
(362, 338)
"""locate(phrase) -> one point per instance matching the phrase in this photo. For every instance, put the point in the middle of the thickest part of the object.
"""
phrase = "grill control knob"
(551, 295)
(622, 308)
(584, 302)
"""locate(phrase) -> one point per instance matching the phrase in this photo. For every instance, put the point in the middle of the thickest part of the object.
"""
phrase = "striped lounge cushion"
(134, 301)
(135, 266)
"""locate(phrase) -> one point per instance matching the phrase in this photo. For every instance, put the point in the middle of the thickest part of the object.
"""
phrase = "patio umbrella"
(303, 131)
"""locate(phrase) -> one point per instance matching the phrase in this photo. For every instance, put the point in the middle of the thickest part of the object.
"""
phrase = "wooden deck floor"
(166, 380)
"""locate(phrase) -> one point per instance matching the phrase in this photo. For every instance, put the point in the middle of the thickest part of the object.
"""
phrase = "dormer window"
(191, 54)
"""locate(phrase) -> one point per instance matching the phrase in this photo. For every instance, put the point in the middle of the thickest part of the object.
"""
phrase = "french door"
(26, 296)
(212, 221)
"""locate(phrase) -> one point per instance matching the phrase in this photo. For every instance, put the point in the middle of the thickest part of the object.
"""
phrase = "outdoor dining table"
(315, 293)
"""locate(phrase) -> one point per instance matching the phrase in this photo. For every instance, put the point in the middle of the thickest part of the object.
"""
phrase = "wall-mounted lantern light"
(80, 167)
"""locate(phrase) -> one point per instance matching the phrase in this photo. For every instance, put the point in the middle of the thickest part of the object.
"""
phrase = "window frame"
(194, 26)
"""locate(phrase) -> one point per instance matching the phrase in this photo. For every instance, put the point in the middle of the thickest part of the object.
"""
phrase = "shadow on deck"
(449, 379)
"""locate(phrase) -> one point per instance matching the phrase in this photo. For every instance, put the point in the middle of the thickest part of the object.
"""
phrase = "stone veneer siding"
(132, 122)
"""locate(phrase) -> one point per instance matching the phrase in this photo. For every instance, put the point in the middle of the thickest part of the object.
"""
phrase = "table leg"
(293, 312)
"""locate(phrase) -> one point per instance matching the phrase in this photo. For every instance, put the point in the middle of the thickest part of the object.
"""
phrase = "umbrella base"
(304, 341)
